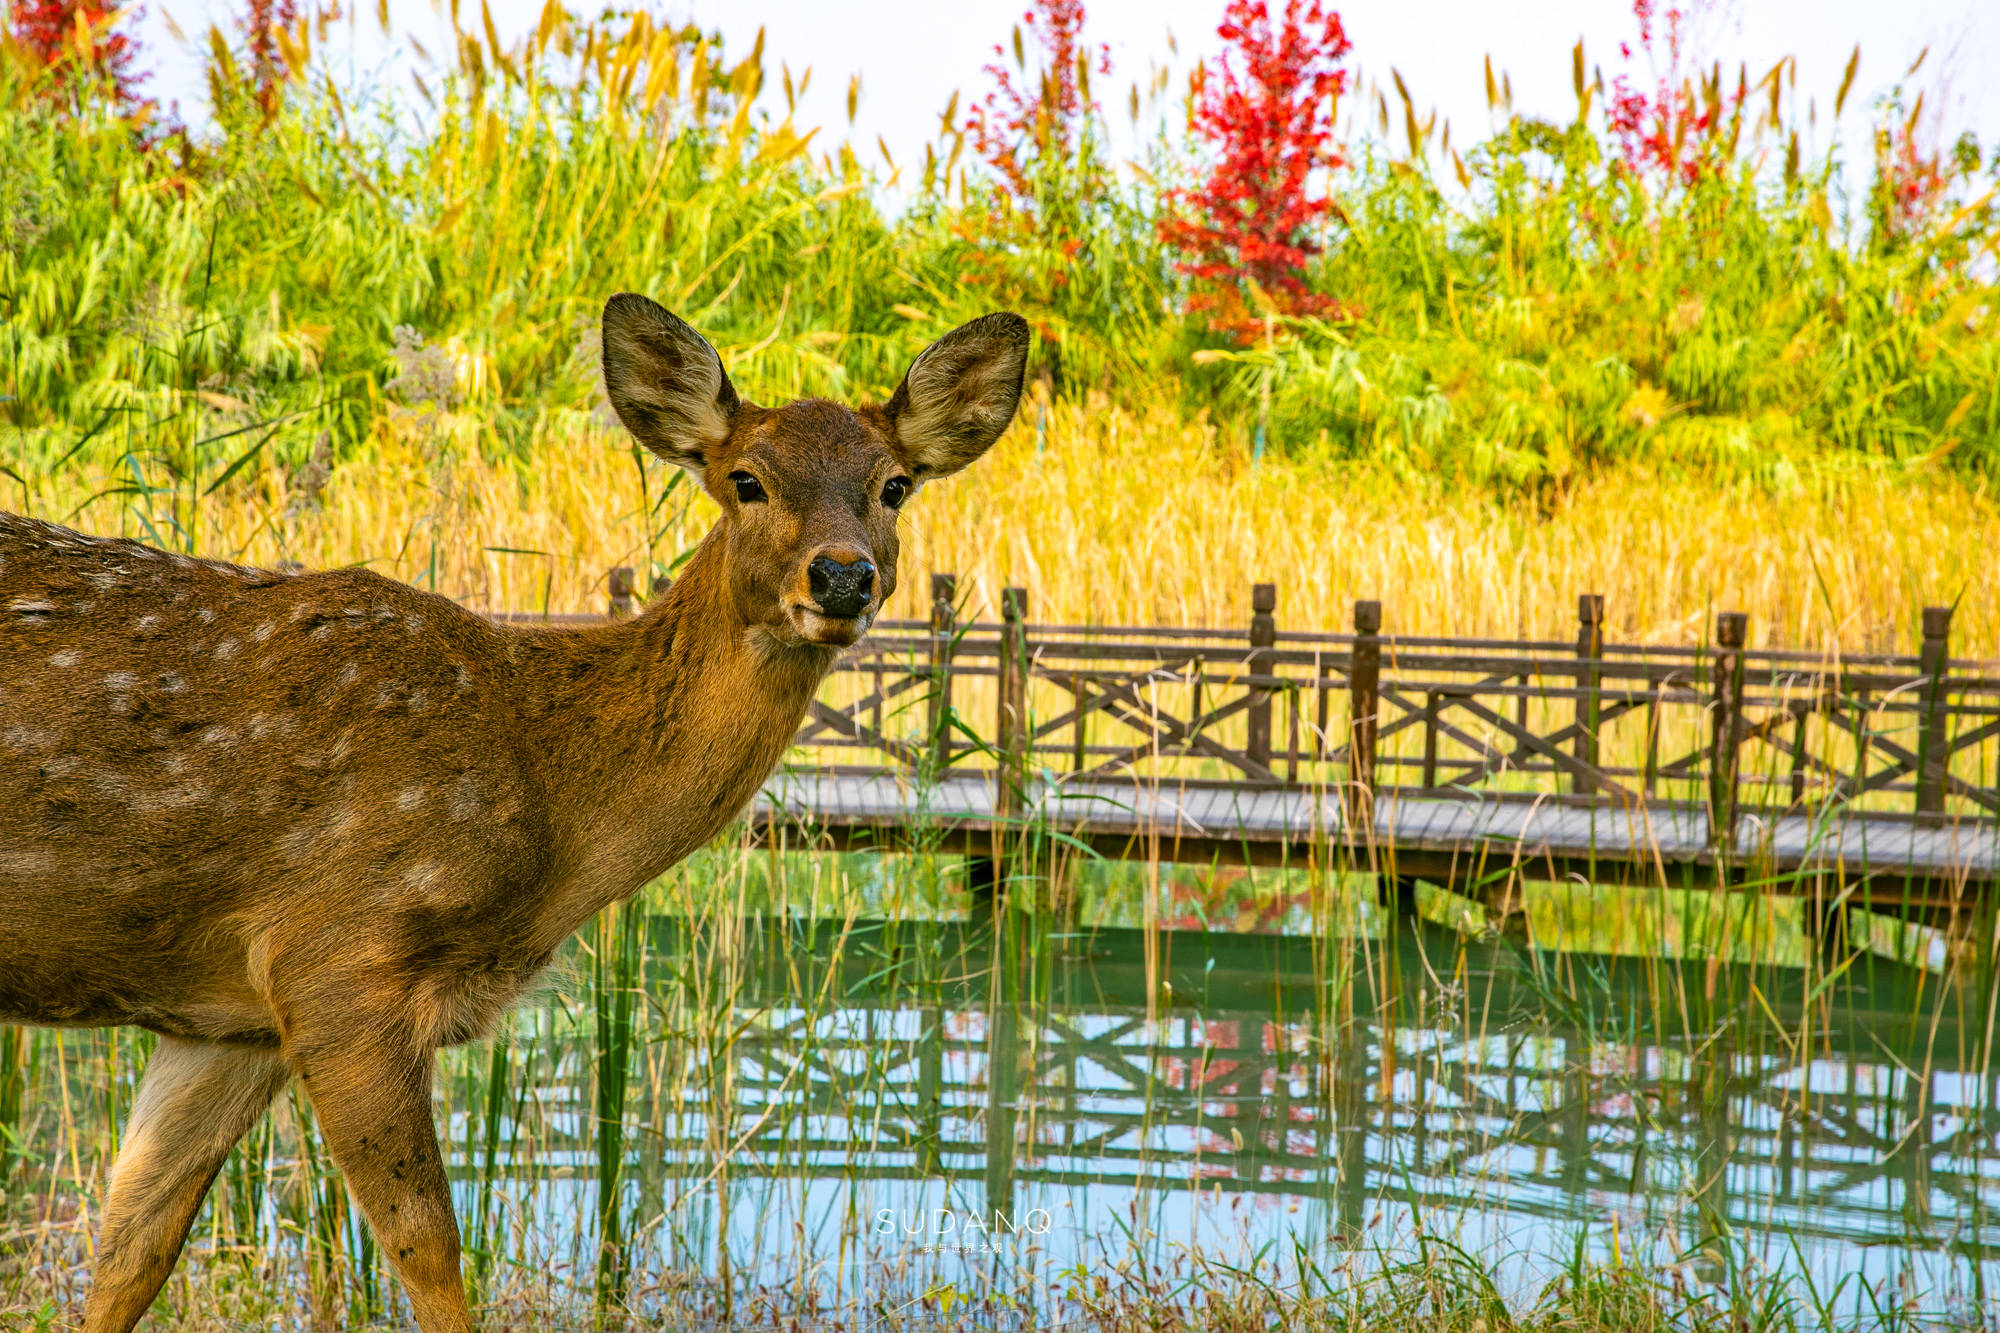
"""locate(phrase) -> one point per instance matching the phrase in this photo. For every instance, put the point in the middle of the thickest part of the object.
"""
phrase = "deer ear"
(665, 382)
(960, 394)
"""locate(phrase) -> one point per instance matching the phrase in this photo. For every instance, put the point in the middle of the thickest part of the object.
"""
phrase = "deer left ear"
(960, 395)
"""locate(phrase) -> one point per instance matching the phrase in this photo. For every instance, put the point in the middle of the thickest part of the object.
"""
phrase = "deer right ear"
(665, 382)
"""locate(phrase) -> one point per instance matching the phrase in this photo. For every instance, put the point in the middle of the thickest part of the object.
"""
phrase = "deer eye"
(895, 492)
(749, 490)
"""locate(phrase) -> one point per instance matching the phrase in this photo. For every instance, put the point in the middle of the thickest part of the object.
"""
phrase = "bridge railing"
(1716, 724)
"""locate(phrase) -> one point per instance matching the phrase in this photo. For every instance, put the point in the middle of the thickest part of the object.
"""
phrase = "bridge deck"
(1433, 835)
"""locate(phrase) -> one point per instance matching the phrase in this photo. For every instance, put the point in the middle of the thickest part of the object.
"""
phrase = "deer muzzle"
(842, 589)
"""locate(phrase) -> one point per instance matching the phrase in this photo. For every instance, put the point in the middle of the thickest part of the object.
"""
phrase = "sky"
(912, 54)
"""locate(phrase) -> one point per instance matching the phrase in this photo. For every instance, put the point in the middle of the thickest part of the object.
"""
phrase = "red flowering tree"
(1669, 133)
(1914, 173)
(1019, 131)
(1266, 111)
(79, 40)
(261, 21)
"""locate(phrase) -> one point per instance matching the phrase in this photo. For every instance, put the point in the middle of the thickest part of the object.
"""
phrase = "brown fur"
(324, 824)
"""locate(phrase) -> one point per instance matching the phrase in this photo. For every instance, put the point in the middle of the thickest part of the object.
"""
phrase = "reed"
(336, 334)
(1567, 381)
(651, 1140)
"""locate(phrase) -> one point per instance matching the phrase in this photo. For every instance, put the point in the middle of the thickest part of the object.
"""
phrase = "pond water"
(896, 1106)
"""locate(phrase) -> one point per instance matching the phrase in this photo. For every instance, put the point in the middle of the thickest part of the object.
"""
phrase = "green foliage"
(1572, 319)
(178, 305)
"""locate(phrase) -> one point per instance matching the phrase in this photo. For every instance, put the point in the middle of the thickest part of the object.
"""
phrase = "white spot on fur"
(348, 675)
(176, 797)
(413, 623)
(21, 737)
(61, 765)
(172, 682)
(68, 657)
(227, 648)
(205, 616)
(322, 632)
(218, 735)
(31, 606)
(419, 701)
(175, 764)
(120, 680)
(410, 797)
(264, 631)
(146, 624)
(464, 677)
(25, 862)
(466, 796)
(104, 580)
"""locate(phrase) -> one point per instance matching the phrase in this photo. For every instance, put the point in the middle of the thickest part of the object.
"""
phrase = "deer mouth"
(815, 626)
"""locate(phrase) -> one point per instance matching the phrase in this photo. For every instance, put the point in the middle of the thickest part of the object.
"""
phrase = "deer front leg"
(372, 1094)
(195, 1101)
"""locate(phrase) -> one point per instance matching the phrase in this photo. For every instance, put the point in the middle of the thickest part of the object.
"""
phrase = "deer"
(320, 825)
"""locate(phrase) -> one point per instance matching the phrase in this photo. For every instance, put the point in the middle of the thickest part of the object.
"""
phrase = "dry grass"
(1123, 517)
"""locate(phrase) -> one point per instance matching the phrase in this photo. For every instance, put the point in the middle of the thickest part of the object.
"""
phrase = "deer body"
(320, 825)
(218, 777)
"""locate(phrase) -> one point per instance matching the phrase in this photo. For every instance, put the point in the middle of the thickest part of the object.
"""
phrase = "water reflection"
(893, 1102)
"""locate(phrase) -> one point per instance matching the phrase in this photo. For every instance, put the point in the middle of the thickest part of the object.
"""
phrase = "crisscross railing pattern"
(1738, 752)
(1721, 725)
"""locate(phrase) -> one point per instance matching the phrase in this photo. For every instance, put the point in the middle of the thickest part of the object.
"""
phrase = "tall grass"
(356, 331)
(652, 1139)
(1130, 516)
(418, 286)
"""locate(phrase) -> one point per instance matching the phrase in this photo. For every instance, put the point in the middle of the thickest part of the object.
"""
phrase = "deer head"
(810, 491)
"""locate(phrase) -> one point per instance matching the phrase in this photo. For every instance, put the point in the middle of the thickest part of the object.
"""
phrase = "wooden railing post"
(986, 874)
(624, 602)
(1364, 680)
(1012, 730)
(944, 615)
(1726, 737)
(1933, 754)
(1589, 649)
(1263, 637)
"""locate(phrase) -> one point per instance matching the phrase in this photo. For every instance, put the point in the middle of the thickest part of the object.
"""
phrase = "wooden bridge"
(1851, 780)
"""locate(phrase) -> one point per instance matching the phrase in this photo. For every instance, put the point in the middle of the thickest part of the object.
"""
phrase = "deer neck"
(657, 731)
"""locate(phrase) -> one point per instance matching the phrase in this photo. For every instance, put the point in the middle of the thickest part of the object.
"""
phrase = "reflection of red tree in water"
(1229, 899)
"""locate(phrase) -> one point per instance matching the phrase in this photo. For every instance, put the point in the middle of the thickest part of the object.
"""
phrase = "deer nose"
(842, 590)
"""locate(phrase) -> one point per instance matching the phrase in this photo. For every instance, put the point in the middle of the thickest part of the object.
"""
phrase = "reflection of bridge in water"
(915, 1052)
